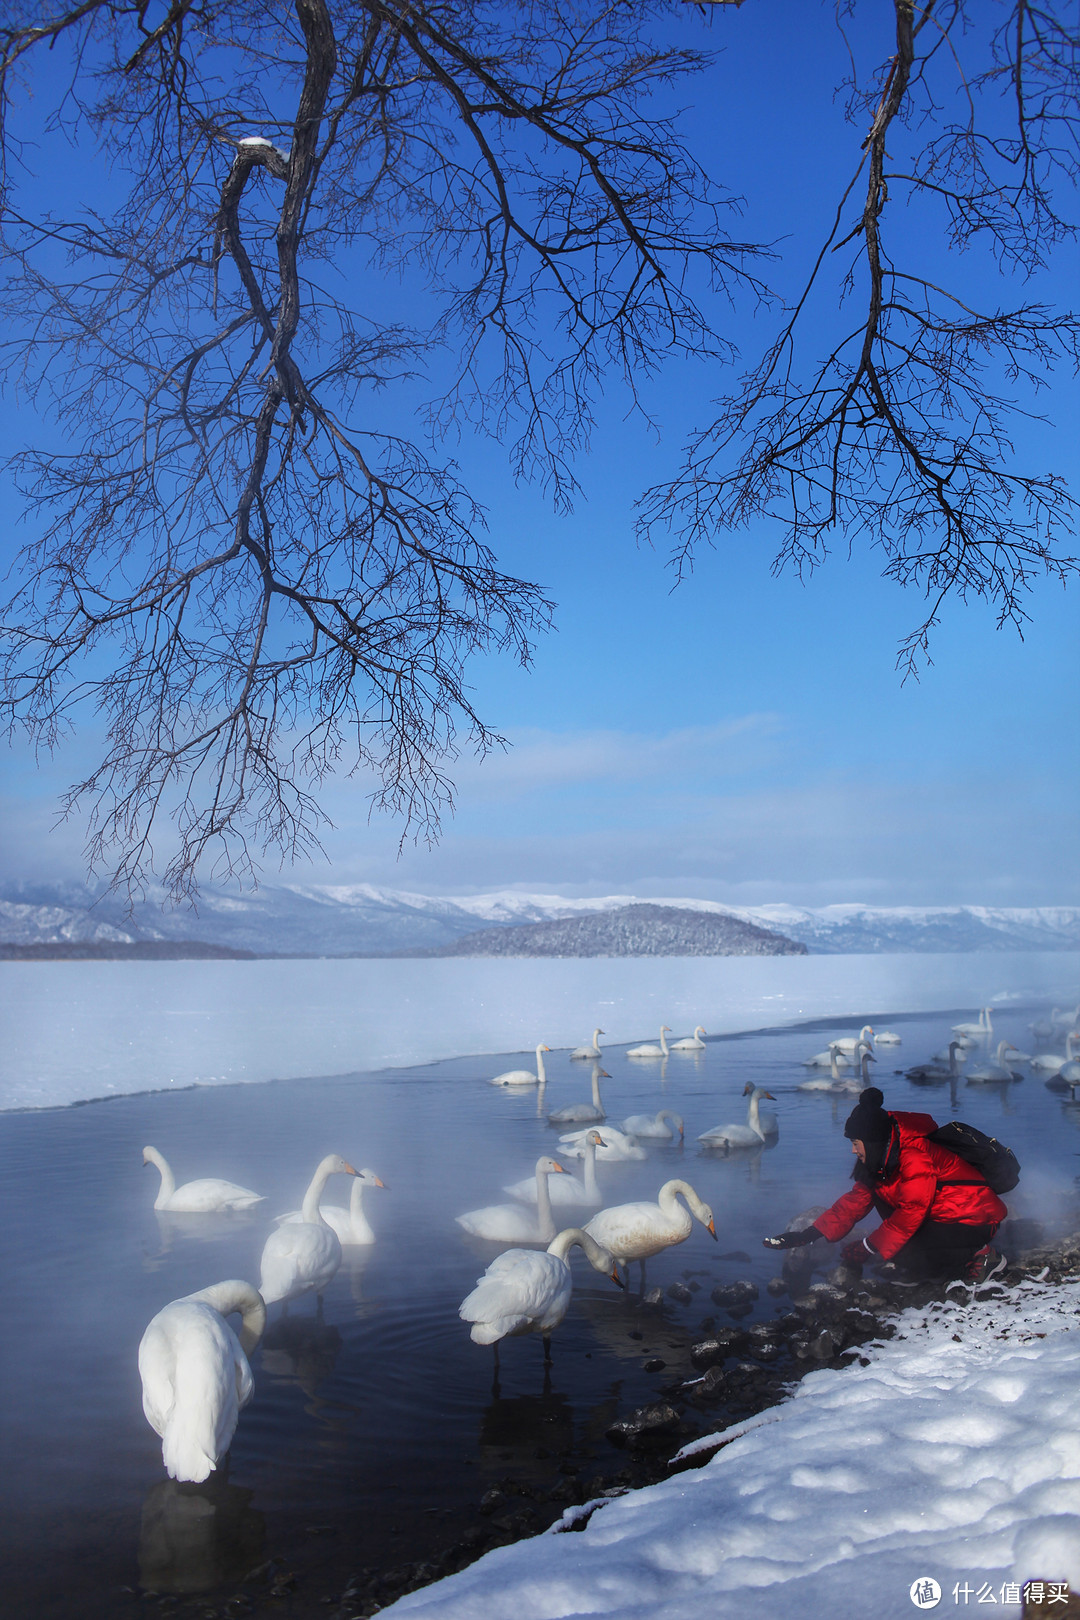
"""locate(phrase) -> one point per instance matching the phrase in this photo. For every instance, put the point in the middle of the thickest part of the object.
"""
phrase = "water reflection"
(523, 1423)
(302, 1347)
(196, 1537)
(175, 1228)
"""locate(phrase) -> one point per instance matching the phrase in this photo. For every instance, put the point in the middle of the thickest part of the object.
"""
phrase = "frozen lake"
(375, 1430)
(77, 1030)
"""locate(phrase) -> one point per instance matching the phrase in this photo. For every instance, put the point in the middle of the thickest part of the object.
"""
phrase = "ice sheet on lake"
(78, 1030)
(954, 1455)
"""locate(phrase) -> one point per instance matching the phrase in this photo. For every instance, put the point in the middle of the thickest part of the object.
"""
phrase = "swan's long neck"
(596, 1039)
(168, 1180)
(668, 1199)
(866, 1064)
(834, 1067)
(545, 1221)
(540, 1072)
(561, 1245)
(597, 1104)
(663, 1044)
(954, 1067)
(226, 1297)
(753, 1116)
(592, 1189)
(360, 1223)
(313, 1196)
(986, 1016)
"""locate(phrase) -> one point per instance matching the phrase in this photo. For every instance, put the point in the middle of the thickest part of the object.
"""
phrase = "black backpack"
(997, 1164)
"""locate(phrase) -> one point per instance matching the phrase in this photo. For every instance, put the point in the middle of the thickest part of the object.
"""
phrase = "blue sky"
(741, 738)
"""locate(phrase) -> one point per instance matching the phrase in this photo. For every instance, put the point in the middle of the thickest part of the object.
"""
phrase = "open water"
(375, 1427)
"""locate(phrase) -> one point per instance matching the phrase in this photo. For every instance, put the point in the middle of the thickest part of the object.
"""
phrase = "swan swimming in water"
(752, 1134)
(848, 1045)
(305, 1254)
(567, 1189)
(983, 1028)
(648, 1051)
(835, 1083)
(998, 1070)
(937, 1069)
(351, 1225)
(525, 1077)
(637, 1231)
(652, 1127)
(584, 1113)
(205, 1197)
(592, 1051)
(523, 1291)
(513, 1223)
(195, 1374)
(691, 1043)
(617, 1146)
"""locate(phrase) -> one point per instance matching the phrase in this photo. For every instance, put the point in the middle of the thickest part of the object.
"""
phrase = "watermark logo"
(925, 1593)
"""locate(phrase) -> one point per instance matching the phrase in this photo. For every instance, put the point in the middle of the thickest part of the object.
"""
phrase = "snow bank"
(76, 1030)
(953, 1455)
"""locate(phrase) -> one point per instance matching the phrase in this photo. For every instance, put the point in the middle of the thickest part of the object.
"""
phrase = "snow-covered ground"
(76, 1030)
(953, 1457)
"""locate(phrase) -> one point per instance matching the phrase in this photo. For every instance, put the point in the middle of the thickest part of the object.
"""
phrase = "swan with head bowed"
(750, 1135)
(513, 1223)
(523, 1291)
(195, 1374)
(566, 1189)
(984, 1073)
(592, 1051)
(206, 1197)
(305, 1254)
(617, 1146)
(637, 1231)
(650, 1051)
(654, 1127)
(584, 1113)
(351, 1225)
(525, 1077)
(691, 1043)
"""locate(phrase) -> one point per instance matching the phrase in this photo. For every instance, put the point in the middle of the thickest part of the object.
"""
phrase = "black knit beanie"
(868, 1121)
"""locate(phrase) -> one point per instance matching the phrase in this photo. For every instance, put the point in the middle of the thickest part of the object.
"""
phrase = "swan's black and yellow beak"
(712, 1228)
(559, 1167)
(616, 1279)
(378, 1182)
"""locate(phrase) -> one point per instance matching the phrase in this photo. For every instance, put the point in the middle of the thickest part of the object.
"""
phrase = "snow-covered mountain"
(360, 918)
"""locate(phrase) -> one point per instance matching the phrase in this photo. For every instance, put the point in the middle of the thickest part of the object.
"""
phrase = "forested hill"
(641, 930)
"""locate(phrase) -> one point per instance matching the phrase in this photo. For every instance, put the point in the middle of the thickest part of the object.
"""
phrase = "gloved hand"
(792, 1240)
(858, 1253)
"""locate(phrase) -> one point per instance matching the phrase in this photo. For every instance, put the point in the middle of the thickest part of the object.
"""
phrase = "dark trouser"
(942, 1248)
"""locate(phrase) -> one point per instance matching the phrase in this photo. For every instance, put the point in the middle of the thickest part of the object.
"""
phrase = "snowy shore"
(80, 1030)
(952, 1456)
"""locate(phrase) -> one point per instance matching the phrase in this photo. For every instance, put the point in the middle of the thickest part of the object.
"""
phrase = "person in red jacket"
(938, 1214)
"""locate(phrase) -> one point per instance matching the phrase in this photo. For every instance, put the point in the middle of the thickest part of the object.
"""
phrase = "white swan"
(752, 1134)
(835, 1081)
(848, 1045)
(512, 1223)
(617, 1146)
(983, 1028)
(1050, 1063)
(304, 1254)
(1066, 1018)
(567, 1189)
(887, 1037)
(997, 1070)
(691, 1043)
(205, 1197)
(636, 1231)
(523, 1291)
(652, 1127)
(525, 1077)
(195, 1374)
(583, 1113)
(592, 1051)
(653, 1051)
(351, 1225)
(832, 1055)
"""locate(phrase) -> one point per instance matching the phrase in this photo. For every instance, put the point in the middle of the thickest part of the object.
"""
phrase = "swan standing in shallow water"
(303, 1255)
(513, 1223)
(752, 1134)
(351, 1225)
(652, 1127)
(637, 1231)
(592, 1051)
(195, 1374)
(205, 1197)
(690, 1043)
(525, 1077)
(526, 1292)
(584, 1113)
(567, 1189)
(660, 1051)
(993, 1071)
(617, 1146)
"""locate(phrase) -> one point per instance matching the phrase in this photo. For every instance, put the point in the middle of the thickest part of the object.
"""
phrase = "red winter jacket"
(930, 1183)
